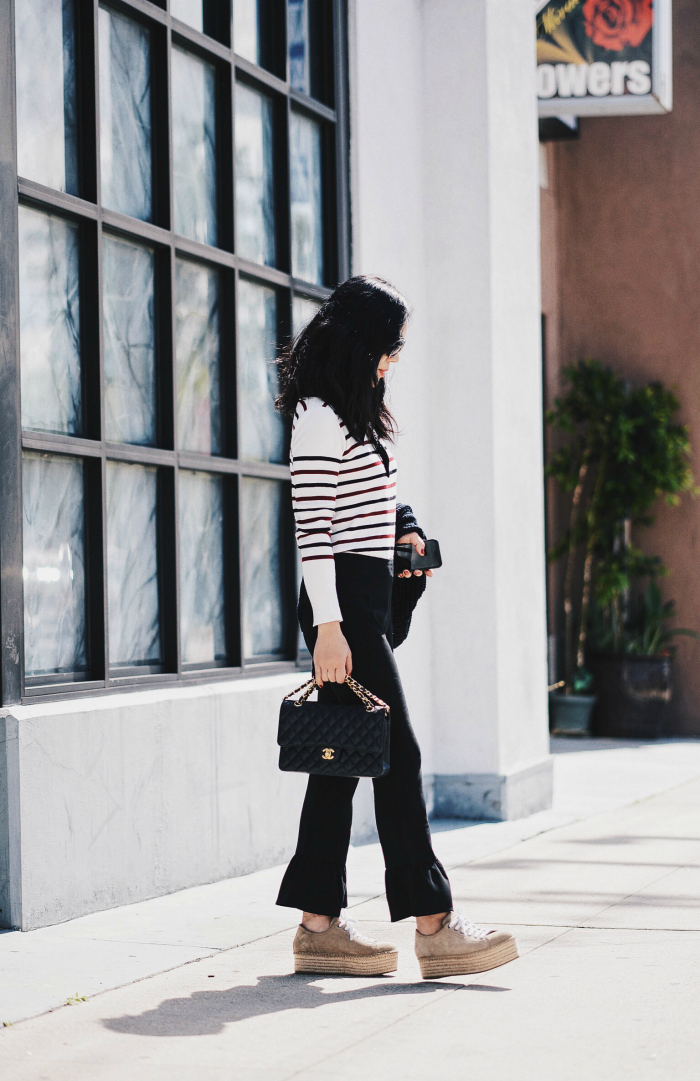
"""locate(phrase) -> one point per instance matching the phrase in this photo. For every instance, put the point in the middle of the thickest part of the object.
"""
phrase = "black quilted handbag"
(334, 740)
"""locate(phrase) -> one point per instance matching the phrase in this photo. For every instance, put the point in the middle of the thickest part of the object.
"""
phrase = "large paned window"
(178, 211)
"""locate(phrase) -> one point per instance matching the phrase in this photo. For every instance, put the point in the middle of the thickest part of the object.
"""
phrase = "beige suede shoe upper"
(342, 939)
(459, 937)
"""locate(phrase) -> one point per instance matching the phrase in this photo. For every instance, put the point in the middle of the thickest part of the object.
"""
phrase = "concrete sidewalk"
(624, 884)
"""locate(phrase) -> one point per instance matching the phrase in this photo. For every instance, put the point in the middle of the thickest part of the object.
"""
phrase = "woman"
(332, 383)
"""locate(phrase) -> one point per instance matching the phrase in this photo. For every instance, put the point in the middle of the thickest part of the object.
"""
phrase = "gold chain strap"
(365, 696)
(308, 689)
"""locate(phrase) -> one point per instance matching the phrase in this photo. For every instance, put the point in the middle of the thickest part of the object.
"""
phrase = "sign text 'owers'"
(602, 57)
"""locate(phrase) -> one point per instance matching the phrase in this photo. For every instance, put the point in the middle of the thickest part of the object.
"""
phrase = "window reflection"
(303, 311)
(125, 114)
(132, 565)
(261, 434)
(47, 136)
(54, 565)
(202, 627)
(306, 209)
(262, 543)
(129, 343)
(49, 322)
(246, 33)
(157, 364)
(298, 23)
(194, 147)
(197, 357)
(254, 176)
(189, 11)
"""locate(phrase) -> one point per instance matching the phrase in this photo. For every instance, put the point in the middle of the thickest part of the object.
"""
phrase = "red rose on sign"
(615, 24)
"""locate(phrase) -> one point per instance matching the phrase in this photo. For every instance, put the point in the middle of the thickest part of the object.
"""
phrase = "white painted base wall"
(120, 798)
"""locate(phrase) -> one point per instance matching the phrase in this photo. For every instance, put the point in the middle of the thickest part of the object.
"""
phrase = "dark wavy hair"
(336, 356)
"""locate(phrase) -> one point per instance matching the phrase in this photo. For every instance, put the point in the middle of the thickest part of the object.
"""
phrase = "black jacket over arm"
(407, 591)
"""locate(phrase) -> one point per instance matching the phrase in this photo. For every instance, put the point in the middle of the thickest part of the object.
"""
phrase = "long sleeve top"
(344, 499)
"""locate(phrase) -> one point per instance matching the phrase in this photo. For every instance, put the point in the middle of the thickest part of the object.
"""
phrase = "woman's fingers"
(335, 675)
(416, 540)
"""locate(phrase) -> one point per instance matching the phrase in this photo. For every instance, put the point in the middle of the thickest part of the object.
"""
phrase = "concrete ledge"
(115, 799)
(494, 797)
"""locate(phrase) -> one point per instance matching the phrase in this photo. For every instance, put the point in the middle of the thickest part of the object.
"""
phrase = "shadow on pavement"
(204, 1013)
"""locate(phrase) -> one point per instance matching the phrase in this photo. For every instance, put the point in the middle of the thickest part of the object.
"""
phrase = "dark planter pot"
(632, 695)
(570, 714)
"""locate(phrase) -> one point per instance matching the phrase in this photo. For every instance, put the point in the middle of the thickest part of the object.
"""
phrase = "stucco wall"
(444, 168)
(120, 798)
(629, 265)
(386, 153)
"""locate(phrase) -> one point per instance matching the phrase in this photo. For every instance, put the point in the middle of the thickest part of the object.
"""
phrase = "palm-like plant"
(623, 450)
(646, 632)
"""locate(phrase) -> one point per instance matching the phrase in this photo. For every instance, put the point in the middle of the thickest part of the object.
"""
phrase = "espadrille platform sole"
(433, 968)
(342, 951)
(377, 964)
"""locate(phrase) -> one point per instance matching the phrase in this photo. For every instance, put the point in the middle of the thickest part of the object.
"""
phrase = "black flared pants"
(416, 882)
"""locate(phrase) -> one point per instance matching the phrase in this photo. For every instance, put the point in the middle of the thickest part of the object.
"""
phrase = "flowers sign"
(602, 57)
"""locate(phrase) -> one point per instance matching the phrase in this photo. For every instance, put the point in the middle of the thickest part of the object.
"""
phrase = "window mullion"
(342, 165)
(174, 562)
(240, 575)
(104, 658)
(260, 75)
(11, 592)
(288, 184)
(235, 498)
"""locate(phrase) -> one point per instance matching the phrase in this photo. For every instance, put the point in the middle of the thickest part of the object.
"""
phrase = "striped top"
(343, 498)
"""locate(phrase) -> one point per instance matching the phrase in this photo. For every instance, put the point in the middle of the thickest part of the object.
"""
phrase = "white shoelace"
(466, 927)
(349, 926)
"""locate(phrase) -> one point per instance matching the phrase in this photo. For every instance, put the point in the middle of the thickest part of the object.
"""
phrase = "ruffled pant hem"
(417, 890)
(316, 885)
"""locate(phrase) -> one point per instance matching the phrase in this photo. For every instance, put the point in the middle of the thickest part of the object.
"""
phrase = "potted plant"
(630, 660)
(622, 449)
(570, 713)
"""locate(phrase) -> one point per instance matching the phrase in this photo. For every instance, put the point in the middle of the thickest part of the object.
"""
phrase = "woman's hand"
(419, 544)
(332, 656)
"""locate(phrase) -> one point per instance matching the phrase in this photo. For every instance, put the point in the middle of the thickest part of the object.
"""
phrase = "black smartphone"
(407, 557)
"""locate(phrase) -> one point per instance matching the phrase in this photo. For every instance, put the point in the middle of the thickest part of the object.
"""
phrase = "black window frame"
(158, 234)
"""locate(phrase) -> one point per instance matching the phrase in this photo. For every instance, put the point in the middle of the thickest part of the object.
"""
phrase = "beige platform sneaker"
(342, 951)
(460, 948)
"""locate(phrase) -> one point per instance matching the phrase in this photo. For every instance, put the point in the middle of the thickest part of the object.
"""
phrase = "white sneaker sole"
(378, 964)
(433, 967)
